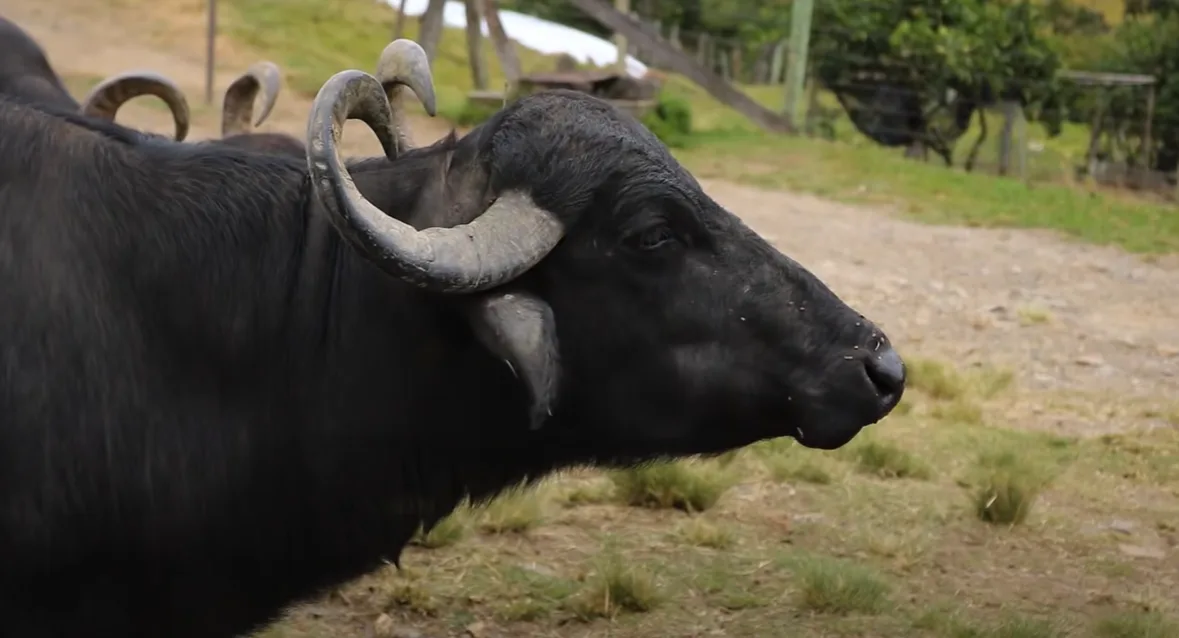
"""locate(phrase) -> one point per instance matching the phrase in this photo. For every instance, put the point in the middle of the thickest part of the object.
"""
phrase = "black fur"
(279, 143)
(25, 72)
(211, 407)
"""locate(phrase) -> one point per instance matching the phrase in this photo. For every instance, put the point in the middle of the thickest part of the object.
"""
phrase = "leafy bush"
(670, 121)
(471, 113)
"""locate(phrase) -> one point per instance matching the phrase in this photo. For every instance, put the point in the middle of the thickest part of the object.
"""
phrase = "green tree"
(1146, 44)
(918, 80)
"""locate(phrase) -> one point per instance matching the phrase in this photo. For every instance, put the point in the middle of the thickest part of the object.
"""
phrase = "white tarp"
(546, 37)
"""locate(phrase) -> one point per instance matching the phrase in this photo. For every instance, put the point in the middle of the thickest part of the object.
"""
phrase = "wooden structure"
(663, 55)
(1106, 80)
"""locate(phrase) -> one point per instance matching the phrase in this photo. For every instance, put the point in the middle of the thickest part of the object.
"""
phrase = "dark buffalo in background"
(234, 380)
(25, 74)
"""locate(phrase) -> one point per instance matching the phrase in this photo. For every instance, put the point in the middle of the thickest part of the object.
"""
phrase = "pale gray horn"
(403, 67)
(510, 237)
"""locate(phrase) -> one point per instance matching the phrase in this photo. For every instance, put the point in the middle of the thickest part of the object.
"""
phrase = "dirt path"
(1066, 317)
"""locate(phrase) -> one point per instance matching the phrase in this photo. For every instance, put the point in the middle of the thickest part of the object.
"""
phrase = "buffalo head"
(643, 317)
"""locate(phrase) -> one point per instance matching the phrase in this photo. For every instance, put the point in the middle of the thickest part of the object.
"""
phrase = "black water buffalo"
(237, 112)
(233, 380)
(25, 74)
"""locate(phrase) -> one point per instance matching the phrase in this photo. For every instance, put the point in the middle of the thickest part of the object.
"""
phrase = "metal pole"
(623, 7)
(211, 37)
(800, 37)
(1147, 141)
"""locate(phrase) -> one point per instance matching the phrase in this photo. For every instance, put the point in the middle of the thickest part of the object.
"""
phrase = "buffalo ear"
(519, 328)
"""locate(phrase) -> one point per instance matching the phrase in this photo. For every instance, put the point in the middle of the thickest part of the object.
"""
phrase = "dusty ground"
(1091, 334)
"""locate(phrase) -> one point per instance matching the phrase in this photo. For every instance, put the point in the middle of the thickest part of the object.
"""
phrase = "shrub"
(472, 113)
(670, 121)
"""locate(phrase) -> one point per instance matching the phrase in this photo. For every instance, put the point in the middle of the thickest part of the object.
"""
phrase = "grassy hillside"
(313, 39)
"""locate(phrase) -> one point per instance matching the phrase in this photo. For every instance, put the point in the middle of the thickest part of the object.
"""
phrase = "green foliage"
(1068, 18)
(940, 57)
(670, 120)
(1149, 45)
(471, 113)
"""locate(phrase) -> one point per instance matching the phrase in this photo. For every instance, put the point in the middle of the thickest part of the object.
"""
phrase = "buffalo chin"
(825, 438)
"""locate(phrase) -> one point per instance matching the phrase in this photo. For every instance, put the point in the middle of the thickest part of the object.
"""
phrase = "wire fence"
(979, 135)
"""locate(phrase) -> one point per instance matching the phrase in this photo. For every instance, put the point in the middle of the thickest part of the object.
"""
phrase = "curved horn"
(107, 96)
(402, 67)
(237, 109)
(510, 237)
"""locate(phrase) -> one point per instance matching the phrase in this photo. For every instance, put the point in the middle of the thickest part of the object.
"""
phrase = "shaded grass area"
(898, 534)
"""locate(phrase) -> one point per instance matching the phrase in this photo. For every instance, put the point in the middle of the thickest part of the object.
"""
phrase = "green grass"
(832, 586)
(516, 510)
(886, 460)
(929, 193)
(446, 532)
(693, 487)
(615, 587)
(701, 533)
(1136, 625)
(852, 168)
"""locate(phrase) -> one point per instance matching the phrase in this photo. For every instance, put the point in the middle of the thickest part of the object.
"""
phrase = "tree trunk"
(430, 31)
(702, 49)
(475, 45)
(399, 26)
(503, 46)
(664, 53)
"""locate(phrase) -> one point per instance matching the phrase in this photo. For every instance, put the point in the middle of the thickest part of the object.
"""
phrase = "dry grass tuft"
(886, 460)
(953, 625)
(837, 586)
(935, 379)
(1141, 624)
(789, 469)
(1007, 489)
(1033, 316)
(616, 587)
(684, 485)
(960, 411)
(788, 462)
(701, 533)
(446, 532)
(514, 511)
(593, 492)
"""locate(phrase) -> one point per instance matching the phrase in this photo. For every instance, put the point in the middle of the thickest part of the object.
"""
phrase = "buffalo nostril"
(887, 372)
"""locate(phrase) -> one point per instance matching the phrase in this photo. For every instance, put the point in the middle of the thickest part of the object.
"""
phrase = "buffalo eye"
(653, 238)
